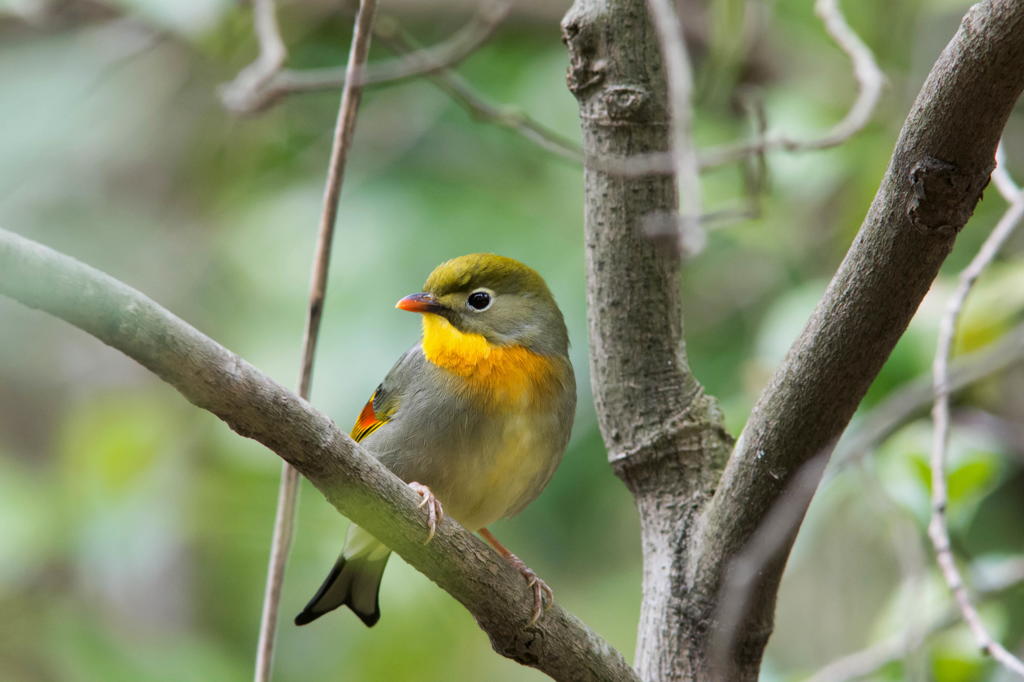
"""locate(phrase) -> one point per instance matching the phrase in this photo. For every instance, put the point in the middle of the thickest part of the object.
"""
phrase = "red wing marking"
(367, 422)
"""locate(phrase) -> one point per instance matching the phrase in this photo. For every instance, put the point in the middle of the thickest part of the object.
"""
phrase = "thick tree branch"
(664, 435)
(940, 166)
(255, 406)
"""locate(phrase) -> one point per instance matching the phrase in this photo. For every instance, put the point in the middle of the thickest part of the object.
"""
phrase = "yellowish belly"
(505, 476)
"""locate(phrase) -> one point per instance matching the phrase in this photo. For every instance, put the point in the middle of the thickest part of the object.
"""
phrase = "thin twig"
(517, 121)
(343, 133)
(870, 82)
(680, 86)
(272, 55)
(463, 43)
(937, 528)
(280, 543)
(873, 657)
(913, 399)
(1001, 177)
(435, 63)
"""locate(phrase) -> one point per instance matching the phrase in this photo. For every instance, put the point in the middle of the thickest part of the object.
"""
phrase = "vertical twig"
(685, 163)
(343, 132)
(937, 528)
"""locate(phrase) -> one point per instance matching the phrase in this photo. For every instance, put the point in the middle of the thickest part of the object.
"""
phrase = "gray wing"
(386, 401)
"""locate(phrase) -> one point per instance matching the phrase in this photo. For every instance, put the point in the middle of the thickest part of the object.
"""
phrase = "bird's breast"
(502, 378)
(515, 455)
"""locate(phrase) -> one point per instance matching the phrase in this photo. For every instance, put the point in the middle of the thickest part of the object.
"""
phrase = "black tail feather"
(340, 588)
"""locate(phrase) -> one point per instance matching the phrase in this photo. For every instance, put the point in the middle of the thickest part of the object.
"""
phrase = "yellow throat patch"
(504, 375)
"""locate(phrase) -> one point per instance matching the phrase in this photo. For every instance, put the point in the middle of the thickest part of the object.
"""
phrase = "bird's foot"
(543, 596)
(435, 512)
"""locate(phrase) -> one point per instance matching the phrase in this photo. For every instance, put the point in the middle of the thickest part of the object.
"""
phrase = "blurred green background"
(134, 527)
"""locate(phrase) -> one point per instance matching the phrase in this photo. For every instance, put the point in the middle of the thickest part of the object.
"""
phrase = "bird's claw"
(435, 512)
(543, 596)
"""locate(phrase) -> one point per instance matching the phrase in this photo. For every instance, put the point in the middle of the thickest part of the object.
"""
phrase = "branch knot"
(944, 195)
(625, 102)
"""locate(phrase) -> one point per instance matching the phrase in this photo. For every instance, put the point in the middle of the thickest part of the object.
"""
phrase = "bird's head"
(495, 297)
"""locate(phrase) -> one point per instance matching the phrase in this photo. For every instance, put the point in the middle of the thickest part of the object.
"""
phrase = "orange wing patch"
(368, 421)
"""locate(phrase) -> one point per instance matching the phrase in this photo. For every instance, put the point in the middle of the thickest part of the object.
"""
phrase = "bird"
(474, 418)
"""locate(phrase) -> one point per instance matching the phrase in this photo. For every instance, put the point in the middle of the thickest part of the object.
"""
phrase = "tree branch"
(870, 81)
(664, 436)
(264, 83)
(215, 379)
(940, 166)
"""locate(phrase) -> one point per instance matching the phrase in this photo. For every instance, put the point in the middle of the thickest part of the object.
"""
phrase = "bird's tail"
(354, 581)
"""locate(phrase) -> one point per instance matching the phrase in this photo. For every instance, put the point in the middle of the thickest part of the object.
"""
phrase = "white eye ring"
(484, 299)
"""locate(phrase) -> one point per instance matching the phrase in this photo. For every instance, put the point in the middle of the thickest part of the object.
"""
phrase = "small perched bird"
(474, 417)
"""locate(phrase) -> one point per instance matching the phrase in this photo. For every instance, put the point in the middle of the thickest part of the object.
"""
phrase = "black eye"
(479, 300)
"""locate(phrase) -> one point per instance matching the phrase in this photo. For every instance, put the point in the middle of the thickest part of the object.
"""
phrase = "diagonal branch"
(939, 168)
(255, 406)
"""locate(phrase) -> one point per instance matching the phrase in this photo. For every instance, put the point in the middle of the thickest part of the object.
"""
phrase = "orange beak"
(421, 303)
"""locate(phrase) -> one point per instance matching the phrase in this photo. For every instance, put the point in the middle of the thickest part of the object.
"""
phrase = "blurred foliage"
(134, 527)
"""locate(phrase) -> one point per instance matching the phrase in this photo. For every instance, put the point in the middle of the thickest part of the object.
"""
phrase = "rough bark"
(255, 406)
(664, 436)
